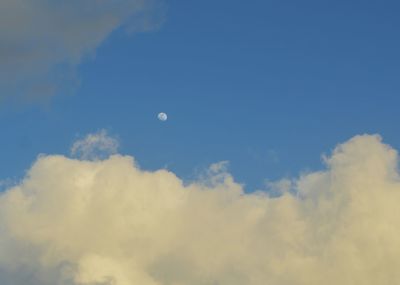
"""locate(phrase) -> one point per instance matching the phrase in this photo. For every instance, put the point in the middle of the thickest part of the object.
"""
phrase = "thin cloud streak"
(43, 41)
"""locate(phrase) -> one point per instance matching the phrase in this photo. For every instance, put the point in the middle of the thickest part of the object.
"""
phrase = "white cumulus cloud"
(42, 41)
(80, 222)
(95, 146)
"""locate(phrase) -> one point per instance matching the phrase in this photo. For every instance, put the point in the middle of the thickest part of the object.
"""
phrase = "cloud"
(43, 41)
(95, 146)
(83, 222)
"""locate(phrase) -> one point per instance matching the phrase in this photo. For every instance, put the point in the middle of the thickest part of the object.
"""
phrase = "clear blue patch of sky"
(267, 85)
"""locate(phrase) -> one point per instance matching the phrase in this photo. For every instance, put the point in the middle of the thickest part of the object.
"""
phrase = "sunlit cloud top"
(80, 222)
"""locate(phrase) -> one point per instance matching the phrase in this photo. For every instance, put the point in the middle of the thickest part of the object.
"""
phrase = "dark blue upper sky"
(267, 85)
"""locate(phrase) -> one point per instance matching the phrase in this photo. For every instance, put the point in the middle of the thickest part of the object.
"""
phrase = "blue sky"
(288, 92)
(266, 85)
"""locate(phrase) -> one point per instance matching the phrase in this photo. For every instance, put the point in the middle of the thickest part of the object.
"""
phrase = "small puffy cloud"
(43, 41)
(81, 222)
(95, 146)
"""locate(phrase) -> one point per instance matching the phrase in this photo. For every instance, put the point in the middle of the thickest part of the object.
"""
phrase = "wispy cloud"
(75, 221)
(43, 41)
(95, 146)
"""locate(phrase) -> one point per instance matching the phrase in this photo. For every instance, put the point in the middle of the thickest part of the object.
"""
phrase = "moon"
(162, 116)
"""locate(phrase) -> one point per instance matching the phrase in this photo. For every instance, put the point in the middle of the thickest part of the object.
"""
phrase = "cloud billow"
(41, 42)
(85, 222)
(94, 146)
